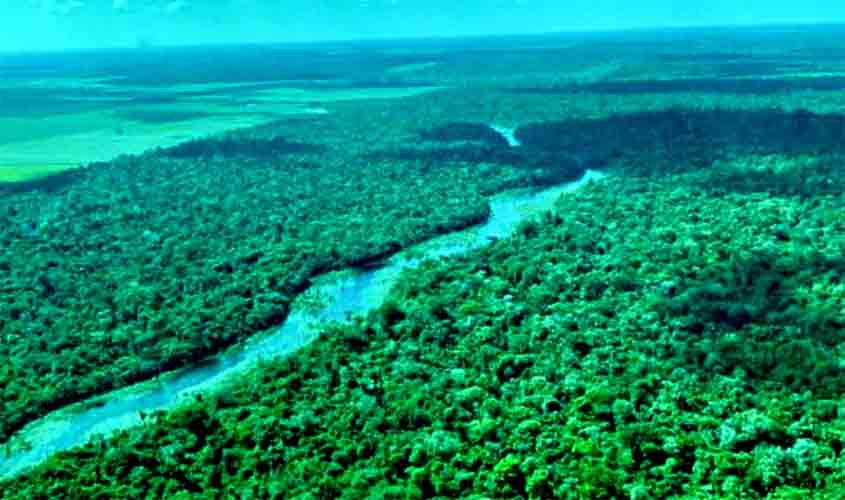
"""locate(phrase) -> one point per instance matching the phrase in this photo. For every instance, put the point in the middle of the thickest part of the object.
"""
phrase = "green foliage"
(234, 146)
(465, 385)
(464, 132)
(683, 139)
(669, 338)
(149, 263)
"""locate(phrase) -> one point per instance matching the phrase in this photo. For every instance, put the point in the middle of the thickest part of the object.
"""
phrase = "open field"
(110, 123)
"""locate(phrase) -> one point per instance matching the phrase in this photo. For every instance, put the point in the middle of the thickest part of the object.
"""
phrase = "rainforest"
(662, 316)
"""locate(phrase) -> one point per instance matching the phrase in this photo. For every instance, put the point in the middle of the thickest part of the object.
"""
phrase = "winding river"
(333, 297)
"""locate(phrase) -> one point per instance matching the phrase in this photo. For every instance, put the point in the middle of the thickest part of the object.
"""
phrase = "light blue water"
(353, 294)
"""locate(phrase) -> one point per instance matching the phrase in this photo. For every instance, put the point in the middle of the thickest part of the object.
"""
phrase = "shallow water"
(340, 295)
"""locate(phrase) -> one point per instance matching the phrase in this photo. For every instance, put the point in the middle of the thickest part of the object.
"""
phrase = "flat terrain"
(675, 331)
(96, 120)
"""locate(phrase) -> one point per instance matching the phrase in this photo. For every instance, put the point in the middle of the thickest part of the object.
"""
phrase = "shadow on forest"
(49, 184)
(655, 143)
(239, 146)
(225, 147)
(821, 176)
(679, 140)
(705, 85)
(477, 143)
(798, 349)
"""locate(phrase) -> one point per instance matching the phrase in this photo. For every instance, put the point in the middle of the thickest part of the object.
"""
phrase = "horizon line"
(400, 39)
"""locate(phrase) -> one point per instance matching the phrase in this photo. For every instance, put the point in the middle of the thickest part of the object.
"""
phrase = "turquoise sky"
(63, 24)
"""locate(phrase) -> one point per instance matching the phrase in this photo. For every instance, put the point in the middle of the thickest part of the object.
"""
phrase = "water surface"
(340, 295)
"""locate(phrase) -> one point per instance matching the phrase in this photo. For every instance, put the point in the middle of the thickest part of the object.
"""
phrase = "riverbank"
(352, 294)
(674, 331)
(625, 344)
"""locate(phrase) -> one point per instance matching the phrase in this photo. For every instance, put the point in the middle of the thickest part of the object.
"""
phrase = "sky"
(39, 25)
